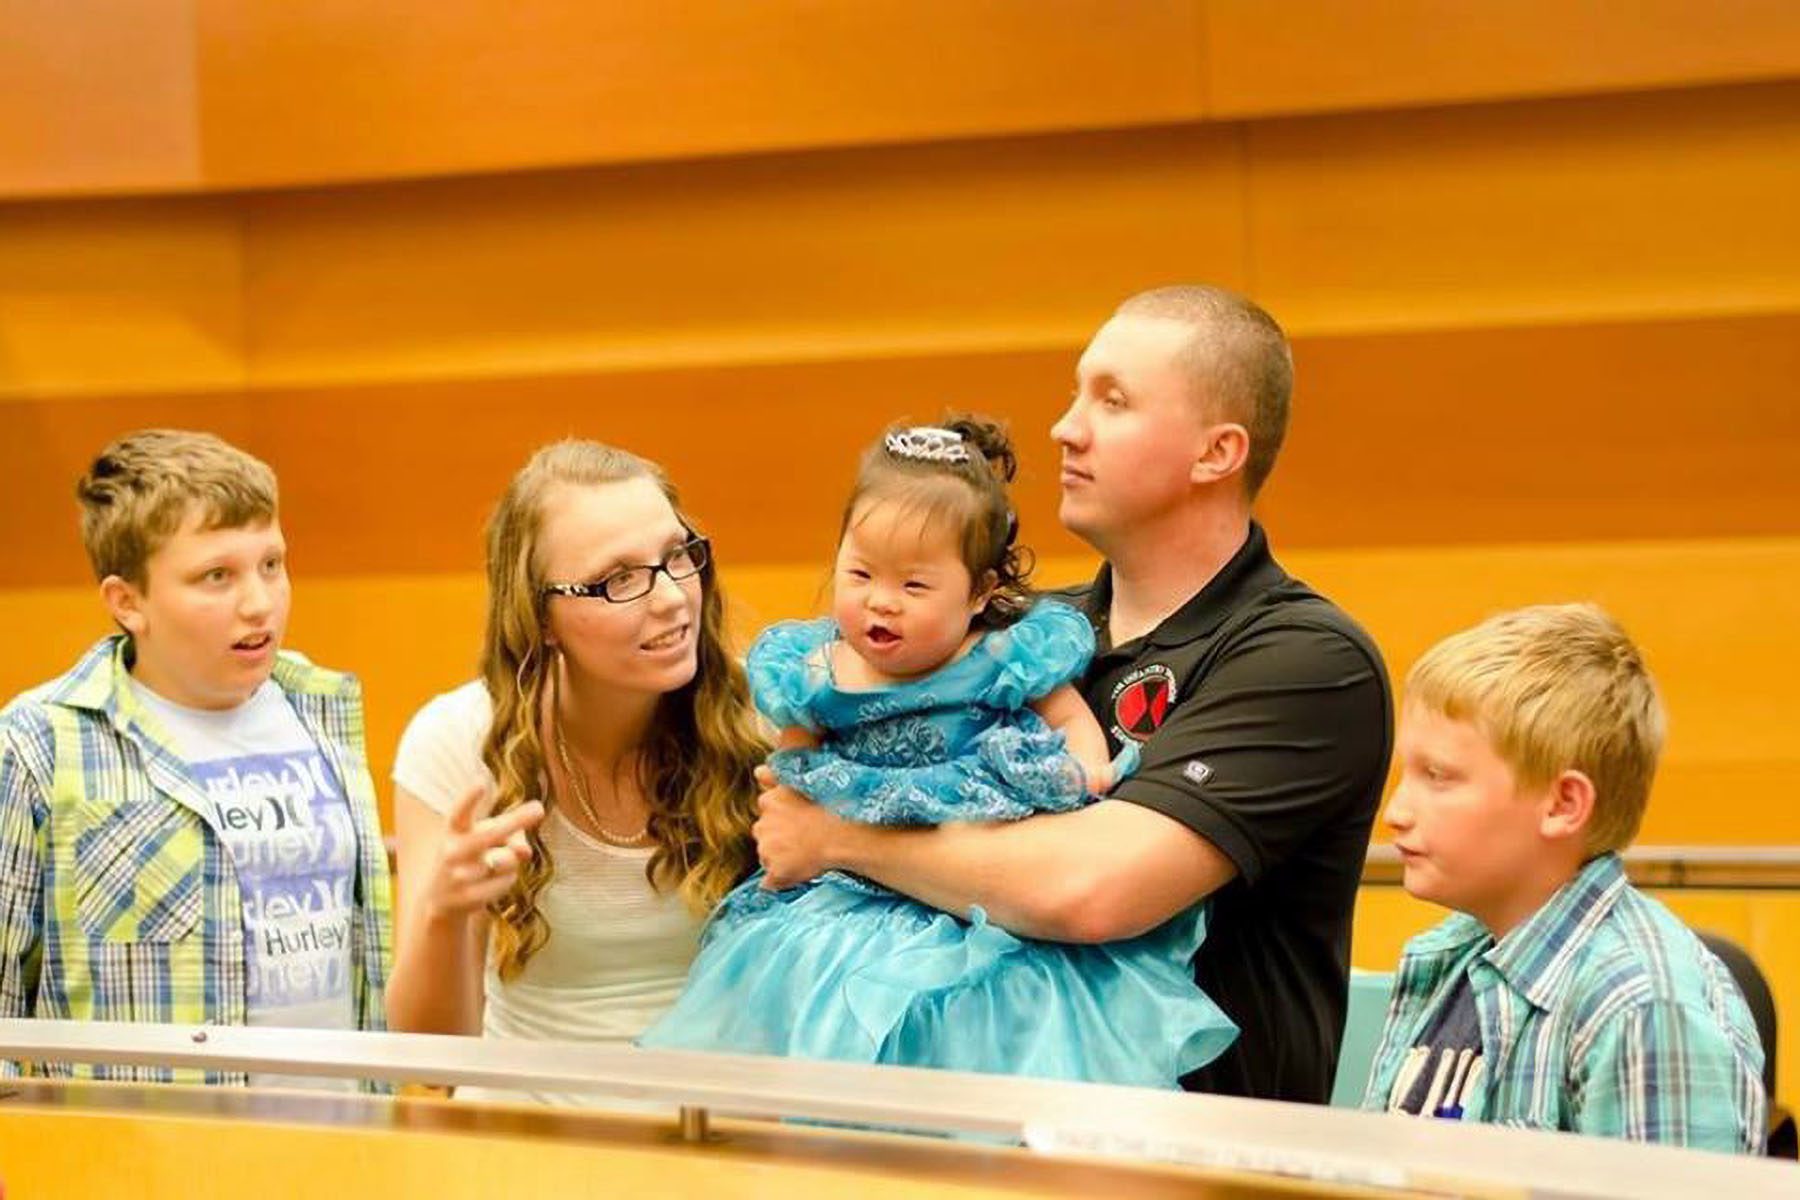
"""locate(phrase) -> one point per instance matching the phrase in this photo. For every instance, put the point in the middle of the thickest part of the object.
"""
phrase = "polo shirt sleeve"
(1283, 734)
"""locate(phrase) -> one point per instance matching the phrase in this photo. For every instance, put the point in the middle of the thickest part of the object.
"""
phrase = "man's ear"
(1223, 453)
(1568, 807)
(125, 603)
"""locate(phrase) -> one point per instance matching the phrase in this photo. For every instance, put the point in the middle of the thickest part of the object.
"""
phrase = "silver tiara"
(928, 443)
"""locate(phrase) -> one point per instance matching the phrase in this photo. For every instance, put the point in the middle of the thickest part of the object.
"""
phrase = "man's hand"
(792, 834)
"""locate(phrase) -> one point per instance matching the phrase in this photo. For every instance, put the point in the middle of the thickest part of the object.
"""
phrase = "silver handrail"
(1369, 1149)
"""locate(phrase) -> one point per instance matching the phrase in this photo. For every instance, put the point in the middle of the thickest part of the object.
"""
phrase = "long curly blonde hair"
(696, 763)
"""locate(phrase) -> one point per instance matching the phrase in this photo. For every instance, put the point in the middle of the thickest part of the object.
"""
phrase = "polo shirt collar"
(1252, 569)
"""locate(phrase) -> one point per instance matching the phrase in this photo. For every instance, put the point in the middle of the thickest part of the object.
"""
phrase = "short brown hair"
(1239, 359)
(141, 488)
(1556, 688)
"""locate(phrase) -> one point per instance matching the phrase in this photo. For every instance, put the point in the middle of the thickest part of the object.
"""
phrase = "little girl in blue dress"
(937, 691)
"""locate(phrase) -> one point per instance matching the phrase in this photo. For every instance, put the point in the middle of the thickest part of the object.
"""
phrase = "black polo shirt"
(1265, 722)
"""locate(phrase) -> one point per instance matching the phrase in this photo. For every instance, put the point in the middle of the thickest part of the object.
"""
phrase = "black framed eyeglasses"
(635, 582)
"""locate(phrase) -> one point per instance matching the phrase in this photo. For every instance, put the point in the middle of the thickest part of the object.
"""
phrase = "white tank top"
(618, 952)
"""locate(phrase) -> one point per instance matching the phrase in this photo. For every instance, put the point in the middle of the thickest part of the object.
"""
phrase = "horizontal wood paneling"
(1599, 210)
(98, 96)
(99, 297)
(1315, 55)
(110, 95)
(1676, 428)
(1575, 210)
(1708, 614)
(1588, 210)
(1658, 429)
(471, 86)
(771, 259)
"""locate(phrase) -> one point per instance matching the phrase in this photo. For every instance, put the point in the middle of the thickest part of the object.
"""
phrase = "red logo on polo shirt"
(1142, 700)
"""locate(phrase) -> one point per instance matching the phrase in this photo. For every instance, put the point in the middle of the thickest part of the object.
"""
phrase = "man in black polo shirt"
(1262, 712)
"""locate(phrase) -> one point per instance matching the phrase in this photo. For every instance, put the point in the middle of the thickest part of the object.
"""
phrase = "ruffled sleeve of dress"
(1046, 648)
(787, 671)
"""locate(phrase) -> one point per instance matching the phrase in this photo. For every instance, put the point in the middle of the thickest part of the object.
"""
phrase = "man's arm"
(1286, 733)
(1056, 877)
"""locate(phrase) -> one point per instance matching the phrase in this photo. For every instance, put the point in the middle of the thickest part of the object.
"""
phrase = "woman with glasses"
(566, 821)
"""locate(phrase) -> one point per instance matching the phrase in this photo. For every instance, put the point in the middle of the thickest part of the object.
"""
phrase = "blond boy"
(1558, 997)
(188, 831)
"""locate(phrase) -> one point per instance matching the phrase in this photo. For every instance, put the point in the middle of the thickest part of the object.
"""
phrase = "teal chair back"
(1362, 1030)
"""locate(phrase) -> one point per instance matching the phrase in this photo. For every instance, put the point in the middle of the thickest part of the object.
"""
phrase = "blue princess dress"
(843, 969)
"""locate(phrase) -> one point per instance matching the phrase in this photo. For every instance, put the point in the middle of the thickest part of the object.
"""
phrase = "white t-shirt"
(619, 950)
(286, 824)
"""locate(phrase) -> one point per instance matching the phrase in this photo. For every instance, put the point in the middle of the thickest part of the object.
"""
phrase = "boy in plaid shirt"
(188, 831)
(1559, 996)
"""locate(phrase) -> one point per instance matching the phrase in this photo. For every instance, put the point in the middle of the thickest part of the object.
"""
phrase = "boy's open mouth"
(881, 635)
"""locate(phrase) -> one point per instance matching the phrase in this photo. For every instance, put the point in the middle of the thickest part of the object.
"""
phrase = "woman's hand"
(480, 856)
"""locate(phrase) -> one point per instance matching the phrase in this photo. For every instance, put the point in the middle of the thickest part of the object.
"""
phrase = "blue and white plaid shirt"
(119, 900)
(1601, 1014)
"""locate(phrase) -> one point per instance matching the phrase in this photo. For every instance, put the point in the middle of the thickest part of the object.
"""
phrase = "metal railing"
(1293, 1140)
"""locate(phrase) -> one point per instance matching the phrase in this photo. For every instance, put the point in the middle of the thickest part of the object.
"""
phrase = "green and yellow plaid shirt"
(119, 900)
(1602, 1013)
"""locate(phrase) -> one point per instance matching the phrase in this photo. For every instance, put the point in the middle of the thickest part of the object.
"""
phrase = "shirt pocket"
(138, 872)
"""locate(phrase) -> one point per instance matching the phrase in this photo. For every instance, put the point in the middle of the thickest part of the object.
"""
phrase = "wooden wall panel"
(1711, 615)
(97, 95)
(468, 85)
(1582, 211)
(1666, 428)
(769, 259)
(400, 477)
(1579, 210)
(122, 95)
(113, 297)
(1415, 221)
(1315, 55)
(1653, 429)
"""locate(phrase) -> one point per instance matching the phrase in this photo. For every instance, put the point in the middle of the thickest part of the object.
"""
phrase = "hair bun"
(990, 438)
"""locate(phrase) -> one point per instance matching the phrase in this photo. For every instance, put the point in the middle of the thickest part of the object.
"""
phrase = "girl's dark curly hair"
(970, 496)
